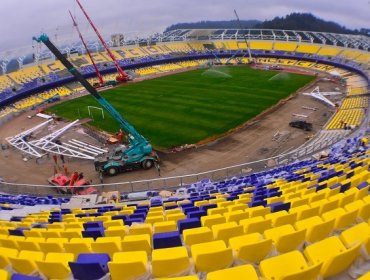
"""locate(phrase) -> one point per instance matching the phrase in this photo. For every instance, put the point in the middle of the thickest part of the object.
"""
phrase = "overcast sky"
(22, 19)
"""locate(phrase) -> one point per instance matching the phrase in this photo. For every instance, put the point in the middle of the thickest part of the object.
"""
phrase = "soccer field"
(189, 107)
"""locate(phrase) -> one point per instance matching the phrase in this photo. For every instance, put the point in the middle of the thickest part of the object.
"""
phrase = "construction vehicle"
(71, 185)
(122, 75)
(138, 153)
(301, 125)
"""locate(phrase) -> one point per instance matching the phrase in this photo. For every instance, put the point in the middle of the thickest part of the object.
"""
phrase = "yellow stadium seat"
(119, 231)
(344, 198)
(73, 225)
(298, 202)
(237, 207)
(108, 245)
(342, 218)
(165, 226)
(214, 211)
(363, 193)
(71, 233)
(366, 276)
(255, 224)
(281, 218)
(189, 277)
(25, 262)
(236, 215)
(173, 211)
(251, 247)
(170, 262)
(286, 238)
(113, 223)
(128, 265)
(197, 235)
(5, 254)
(176, 217)
(316, 197)
(358, 233)
(242, 272)
(362, 207)
(304, 211)
(333, 254)
(141, 229)
(51, 233)
(5, 275)
(36, 232)
(141, 242)
(51, 245)
(316, 228)
(30, 244)
(289, 266)
(226, 231)
(211, 256)
(11, 241)
(78, 246)
(209, 221)
(258, 211)
(111, 213)
(154, 219)
(326, 206)
(55, 265)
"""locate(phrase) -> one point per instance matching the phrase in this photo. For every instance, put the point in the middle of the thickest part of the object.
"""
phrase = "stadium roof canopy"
(69, 44)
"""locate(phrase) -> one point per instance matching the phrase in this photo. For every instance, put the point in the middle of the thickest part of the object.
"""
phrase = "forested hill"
(228, 24)
(306, 22)
(293, 21)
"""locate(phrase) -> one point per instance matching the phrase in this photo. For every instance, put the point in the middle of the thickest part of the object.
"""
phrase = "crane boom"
(122, 74)
(139, 152)
(100, 77)
(244, 37)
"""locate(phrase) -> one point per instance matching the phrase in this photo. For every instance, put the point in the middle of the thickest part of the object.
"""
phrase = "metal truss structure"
(20, 142)
(315, 93)
(72, 148)
(48, 144)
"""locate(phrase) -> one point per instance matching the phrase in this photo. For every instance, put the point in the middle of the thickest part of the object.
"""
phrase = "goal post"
(90, 109)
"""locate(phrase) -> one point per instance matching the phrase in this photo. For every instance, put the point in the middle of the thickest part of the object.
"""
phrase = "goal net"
(98, 111)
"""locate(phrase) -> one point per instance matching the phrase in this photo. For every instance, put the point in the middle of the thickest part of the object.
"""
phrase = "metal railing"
(170, 183)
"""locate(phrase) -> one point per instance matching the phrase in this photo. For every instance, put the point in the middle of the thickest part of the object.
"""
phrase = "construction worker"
(157, 166)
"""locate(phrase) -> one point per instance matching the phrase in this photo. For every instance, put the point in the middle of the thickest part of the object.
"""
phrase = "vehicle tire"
(112, 171)
(147, 164)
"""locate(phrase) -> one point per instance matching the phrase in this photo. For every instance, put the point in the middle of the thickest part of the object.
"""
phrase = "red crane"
(122, 76)
(100, 77)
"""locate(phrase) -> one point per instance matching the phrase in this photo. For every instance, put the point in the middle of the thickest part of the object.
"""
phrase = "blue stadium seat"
(90, 266)
(24, 277)
(275, 207)
(188, 223)
(196, 214)
(166, 240)
(97, 224)
(93, 232)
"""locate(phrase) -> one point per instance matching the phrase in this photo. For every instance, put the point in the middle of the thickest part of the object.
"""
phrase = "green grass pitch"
(192, 106)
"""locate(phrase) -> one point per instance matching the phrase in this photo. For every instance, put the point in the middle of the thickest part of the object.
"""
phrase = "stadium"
(225, 153)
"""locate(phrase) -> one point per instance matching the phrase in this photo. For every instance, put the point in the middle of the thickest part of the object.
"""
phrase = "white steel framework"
(20, 142)
(315, 93)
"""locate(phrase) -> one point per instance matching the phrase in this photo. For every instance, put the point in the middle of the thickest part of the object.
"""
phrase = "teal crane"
(138, 154)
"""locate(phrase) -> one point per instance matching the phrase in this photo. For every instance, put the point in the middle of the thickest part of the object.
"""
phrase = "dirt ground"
(251, 142)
